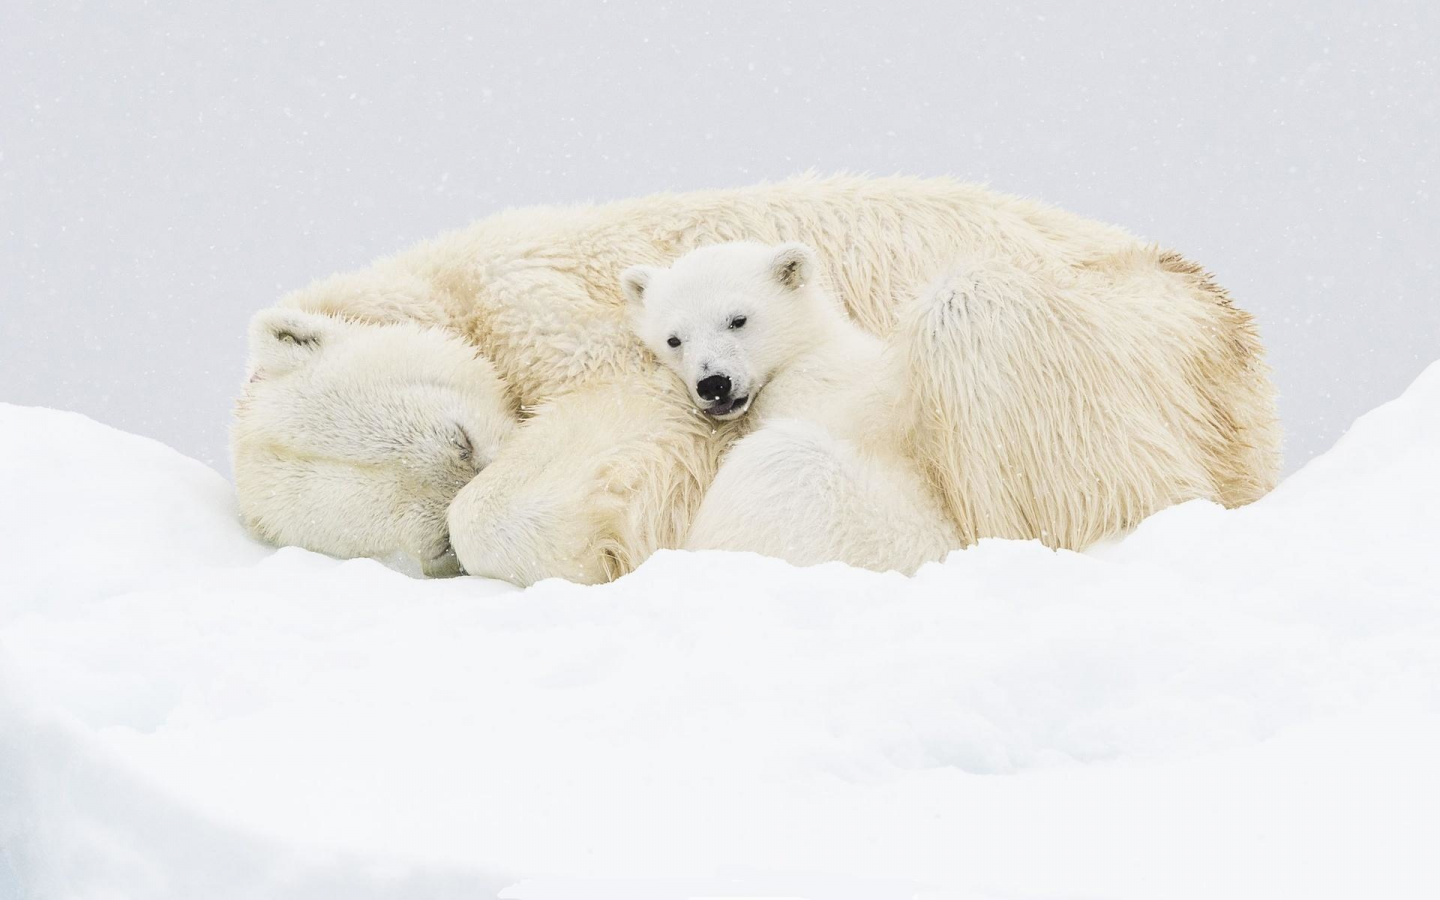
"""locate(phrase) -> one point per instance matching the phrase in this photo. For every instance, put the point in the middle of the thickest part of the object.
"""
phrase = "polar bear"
(735, 319)
(750, 328)
(422, 411)
(1081, 379)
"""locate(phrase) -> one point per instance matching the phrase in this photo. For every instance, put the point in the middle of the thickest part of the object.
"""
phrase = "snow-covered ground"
(1225, 704)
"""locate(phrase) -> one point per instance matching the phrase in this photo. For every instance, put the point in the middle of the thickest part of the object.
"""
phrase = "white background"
(168, 168)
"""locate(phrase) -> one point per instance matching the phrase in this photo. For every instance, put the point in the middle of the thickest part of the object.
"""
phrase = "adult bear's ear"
(634, 281)
(282, 339)
(793, 265)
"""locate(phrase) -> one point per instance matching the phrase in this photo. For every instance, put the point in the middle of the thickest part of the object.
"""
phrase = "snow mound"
(1234, 703)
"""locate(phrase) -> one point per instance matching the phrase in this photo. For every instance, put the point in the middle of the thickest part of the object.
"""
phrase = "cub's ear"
(794, 265)
(282, 340)
(635, 281)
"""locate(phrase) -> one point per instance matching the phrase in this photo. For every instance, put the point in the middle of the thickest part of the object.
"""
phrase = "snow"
(1228, 704)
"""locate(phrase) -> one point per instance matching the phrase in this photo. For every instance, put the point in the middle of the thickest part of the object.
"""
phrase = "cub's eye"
(737, 322)
(674, 341)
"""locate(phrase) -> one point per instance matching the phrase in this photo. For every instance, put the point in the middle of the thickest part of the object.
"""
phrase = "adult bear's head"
(352, 438)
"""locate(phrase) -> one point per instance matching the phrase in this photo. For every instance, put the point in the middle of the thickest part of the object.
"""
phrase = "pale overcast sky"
(166, 170)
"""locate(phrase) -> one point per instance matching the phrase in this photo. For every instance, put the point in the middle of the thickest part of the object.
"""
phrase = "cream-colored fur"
(405, 413)
(614, 459)
(827, 475)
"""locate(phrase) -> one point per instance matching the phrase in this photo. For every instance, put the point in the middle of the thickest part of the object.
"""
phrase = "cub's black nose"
(716, 387)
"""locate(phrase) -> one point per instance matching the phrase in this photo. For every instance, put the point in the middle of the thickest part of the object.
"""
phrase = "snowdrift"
(1224, 704)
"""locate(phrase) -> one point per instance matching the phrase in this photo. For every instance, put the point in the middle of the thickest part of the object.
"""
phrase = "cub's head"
(352, 439)
(726, 318)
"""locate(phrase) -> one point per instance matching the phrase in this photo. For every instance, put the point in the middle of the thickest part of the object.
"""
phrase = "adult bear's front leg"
(590, 486)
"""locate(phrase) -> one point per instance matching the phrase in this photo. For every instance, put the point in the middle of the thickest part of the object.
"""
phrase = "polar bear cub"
(747, 324)
(752, 331)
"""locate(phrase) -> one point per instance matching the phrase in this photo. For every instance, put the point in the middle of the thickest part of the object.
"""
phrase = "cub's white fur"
(1072, 378)
(743, 313)
(826, 476)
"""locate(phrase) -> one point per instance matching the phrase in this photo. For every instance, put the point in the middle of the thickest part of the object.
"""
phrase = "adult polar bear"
(1071, 379)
